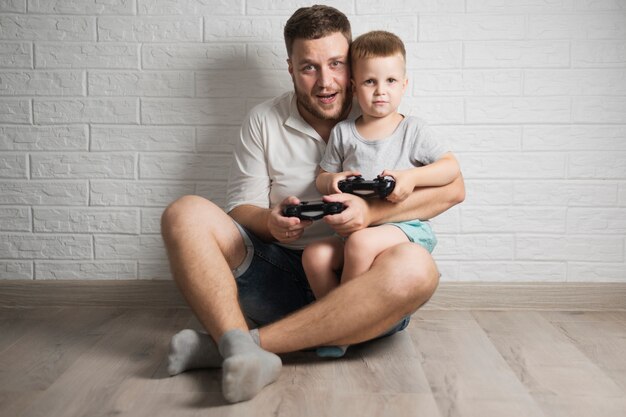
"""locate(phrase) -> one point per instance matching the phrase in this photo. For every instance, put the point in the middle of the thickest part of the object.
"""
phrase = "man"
(249, 272)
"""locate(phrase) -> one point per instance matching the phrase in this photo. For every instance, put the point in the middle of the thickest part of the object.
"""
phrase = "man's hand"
(404, 184)
(355, 217)
(286, 229)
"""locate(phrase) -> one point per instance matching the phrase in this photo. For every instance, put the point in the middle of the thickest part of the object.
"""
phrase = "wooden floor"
(79, 361)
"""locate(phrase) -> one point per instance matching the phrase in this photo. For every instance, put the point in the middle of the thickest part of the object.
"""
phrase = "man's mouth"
(327, 98)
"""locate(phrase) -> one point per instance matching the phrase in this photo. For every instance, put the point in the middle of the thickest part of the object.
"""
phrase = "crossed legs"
(204, 245)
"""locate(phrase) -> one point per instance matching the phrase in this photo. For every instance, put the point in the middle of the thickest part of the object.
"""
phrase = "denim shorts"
(272, 284)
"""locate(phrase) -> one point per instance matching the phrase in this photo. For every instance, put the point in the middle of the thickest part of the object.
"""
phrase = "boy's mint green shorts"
(418, 232)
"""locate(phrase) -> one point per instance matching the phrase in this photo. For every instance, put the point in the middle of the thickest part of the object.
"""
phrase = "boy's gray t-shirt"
(411, 145)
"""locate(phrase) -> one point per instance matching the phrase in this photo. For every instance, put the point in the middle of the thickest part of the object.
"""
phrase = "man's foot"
(331, 351)
(247, 368)
(190, 349)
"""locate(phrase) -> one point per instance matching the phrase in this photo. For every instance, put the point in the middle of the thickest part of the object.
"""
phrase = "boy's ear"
(352, 86)
(406, 83)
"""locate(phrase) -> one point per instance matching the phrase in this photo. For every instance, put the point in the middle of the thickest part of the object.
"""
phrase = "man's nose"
(325, 78)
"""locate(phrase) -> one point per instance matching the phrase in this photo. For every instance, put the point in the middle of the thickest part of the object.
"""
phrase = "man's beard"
(307, 103)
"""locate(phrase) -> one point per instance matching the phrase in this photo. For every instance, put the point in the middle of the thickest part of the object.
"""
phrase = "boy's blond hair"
(376, 44)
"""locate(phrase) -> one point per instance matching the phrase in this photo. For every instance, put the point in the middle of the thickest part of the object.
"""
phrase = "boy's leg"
(362, 248)
(321, 261)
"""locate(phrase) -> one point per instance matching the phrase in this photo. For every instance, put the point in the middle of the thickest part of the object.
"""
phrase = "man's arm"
(424, 203)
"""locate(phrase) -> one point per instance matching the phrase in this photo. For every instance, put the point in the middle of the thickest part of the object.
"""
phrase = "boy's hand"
(404, 185)
(354, 217)
(340, 176)
(286, 229)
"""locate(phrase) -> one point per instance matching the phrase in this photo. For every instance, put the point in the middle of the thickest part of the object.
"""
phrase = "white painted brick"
(622, 195)
(214, 191)
(598, 165)
(599, 54)
(263, 84)
(191, 7)
(42, 138)
(15, 111)
(192, 111)
(513, 165)
(85, 220)
(86, 55)
(193, 56)
(16, 270)
(403, 26)
(522, 6)
(575, 138)
(13, 6)
(577, 26)
(184, 166)
(599, 5)
(287, 7)
(31, 246)
(513, 219)
(434, 55)
(467, 27)
(449, 271)
(86, 110)
(575, 82)
(267, 56)
(596, 272)
(599, 109)
(69, 193)
(472, 247)
(42, 83)
(15, 219)
(89, 7)
(596, 221)
(83, 165)
(151, 220)
(490, 110)
(16, 55)
(85, 270)
(467, 83)
(449, 110)
(579, 248)
(517, 54)
(480, 138)
(447, 222)
(409, 6)
(564, 193)
(141, 138)
(13, 165)
(150, 29)
(483, 192)
(129, 247)
(47, 28)
(243, 29)
(216, 139)
(513, 271)
(136, 193)
(156, 270)
(143, 84)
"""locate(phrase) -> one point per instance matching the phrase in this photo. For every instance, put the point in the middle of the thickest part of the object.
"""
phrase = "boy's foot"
(331, 351)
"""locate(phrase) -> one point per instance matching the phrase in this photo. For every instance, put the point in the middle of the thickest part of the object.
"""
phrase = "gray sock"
(190, 349)
(247, 368)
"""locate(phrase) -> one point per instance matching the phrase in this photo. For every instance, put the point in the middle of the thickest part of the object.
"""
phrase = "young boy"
(381, 141)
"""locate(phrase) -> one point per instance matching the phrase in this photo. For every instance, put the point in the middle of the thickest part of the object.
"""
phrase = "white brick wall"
(111, 110)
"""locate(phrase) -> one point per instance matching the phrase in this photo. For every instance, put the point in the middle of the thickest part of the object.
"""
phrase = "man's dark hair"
(315, 22)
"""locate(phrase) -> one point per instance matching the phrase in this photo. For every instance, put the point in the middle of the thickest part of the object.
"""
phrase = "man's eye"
(308, 68)
(336, 63)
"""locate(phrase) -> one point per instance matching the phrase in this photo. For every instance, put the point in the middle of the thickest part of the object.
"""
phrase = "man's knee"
(413, 276)
(185, 212)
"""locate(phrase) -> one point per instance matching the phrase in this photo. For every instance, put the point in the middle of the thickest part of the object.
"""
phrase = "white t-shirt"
(277, 156)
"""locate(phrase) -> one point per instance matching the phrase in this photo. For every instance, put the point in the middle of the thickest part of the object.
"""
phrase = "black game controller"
(313, 210)
(381, 186)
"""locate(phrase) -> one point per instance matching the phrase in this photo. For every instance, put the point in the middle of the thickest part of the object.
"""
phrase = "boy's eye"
(368, 82)
(391, 80)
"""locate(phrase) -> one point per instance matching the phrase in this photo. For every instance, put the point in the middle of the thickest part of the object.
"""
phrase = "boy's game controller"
(380, 186)
(313, 210)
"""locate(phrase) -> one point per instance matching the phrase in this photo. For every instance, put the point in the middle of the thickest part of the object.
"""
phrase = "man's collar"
(297, 122)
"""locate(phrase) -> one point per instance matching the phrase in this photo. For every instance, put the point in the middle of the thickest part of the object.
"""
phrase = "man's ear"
(290, 66)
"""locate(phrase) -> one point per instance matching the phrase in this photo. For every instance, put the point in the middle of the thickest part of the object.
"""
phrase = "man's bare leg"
(401, 280)
(203, 246)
